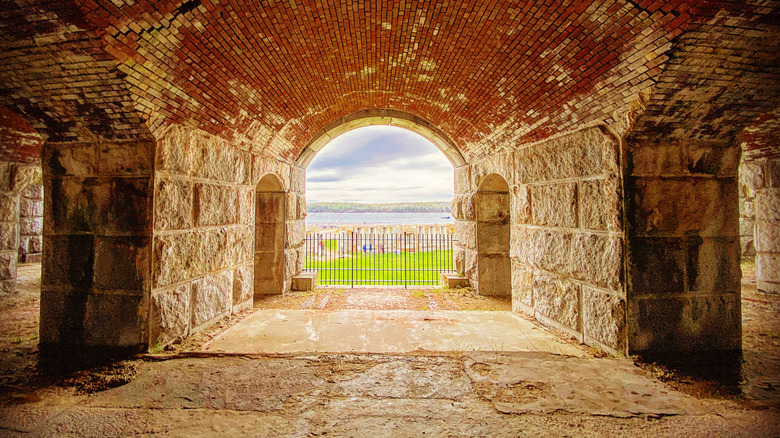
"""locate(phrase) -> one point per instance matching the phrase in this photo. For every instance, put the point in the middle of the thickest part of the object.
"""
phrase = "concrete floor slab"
(393, 331)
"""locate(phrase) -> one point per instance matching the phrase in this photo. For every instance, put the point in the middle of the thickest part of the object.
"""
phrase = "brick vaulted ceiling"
(490, 74)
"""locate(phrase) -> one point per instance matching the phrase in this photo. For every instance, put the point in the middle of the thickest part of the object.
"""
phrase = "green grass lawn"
(383, 269)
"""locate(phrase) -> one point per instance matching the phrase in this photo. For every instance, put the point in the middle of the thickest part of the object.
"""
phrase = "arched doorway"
(491, 205)
(270, 213)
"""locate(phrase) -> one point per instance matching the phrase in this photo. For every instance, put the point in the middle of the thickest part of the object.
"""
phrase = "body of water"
(379, 218)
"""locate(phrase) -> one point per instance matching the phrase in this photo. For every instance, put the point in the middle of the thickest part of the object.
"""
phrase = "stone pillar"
(97, 255)
(14, 177)
(767, 237)
(683, 241)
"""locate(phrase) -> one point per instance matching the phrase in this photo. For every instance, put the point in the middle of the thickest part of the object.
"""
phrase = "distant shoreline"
(395, 207)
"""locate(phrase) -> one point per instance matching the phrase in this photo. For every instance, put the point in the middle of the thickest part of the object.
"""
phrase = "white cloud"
(379, 164)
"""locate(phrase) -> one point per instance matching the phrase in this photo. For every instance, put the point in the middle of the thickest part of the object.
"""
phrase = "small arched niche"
(270, 213)
(491, 205)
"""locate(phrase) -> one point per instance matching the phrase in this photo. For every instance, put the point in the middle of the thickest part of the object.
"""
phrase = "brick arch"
(381, 117)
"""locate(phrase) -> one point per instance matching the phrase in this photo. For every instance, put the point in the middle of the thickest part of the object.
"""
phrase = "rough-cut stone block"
(462, 177)
(767, 236)
(713, 264)
(746, 209)
(304, 281)
(173, 201)
(269, 236)
(656, 160)
(521, 243)
(243, 284)
(113, 320)
(657, 265)
(129, 207)
(240, 245)
(170, 316)
(246, 208)
(296, 233)
(33, 192)
(492, 207)
(33, 258)
(8, 236)
(495, 274)
(450, 280)
(290, 263)
(31, 226)
(8, 205)
(175, 152)
(604, 318)
(23, 176)
(8, 264)
(600, 202)
(67, 261)
(551, 251)
(24, 243)
(772, 168)
(122, 263)
(557, 298)
(459, 259)
(469, 207)
(768, 267)
(456, 207)
(302, 209)
(521, 204)
(215, 205)
(470, 267)
(25, 207)
(597, 259)
(751, 177)
(522, 283)
(270, 207)
(746, 227)
(176, 258)
(78, 160)
(126, 158)
(711, 160)
(215, 250)
(215, 159)
(768, 205)
(62, 316)
(677, 206)
(269, 266)
(465, 234)
(584, 153)
(212, 296)
(555, 205)
(35, 244)
(297, 180)
(501, 164)
(685, 324)
(493, 238)
(292, 207)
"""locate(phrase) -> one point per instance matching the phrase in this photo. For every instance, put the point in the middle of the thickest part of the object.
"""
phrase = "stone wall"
(14, 178)
(566, 235)
(204, 230)
(683, 261)
(31, 224)
(765, 186)
(95, 278)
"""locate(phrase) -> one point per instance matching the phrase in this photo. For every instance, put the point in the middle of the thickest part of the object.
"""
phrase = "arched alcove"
(270, 213)
(491, 205)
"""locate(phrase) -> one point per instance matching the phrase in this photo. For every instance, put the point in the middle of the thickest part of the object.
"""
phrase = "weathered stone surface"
(290, 263)
(713, 264)
(76, 160)
(8, 236)
(768, 205)
(767, 237)
(269, 236)
(501, 164)
(599, 207)
(551, 251)
(35, 244)
(270, 207)
(113, 320)
(521, 204)
(68, 261)
(31, 226)
(469, 207)
(34, 192)
(495, 275)
(747, 209)
(696, 323)
(306, 281)
(8, 205)
(521, 243)
(122, 263)
(128, 210)
(215, 205)
(465, 234)
(492, 206)
(246, 207)
(751, 178)
(711, 159)
(62, 315)
(303, 210)
(596, 259)
(240, 245)
(296, 233)
(493, 238)
(677, 206)
(215, 250)
(175, 152)
(459, 259)
(584, 153)
(462, 176)
(657, 265)
(768, 267)
(556, 298)
(292, 207)
(170, 316)
(176, 257)
(663, 159)
(297, 180)
(173, 200)
(522, 283)
(243, 284)
(746, 227)
(604, 318)
(126, 158)
(216, 159)
(212, 296)
(773, 173)
(555, 205)
(8, 264)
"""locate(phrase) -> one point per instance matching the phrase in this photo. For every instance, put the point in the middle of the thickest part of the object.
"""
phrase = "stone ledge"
(304, 281)
(451, 280)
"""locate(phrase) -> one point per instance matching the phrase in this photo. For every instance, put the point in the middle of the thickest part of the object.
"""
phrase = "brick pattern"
(19, 142)
(488, 74)
(761, 139)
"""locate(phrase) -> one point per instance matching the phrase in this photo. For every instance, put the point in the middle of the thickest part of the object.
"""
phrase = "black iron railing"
(353, 259)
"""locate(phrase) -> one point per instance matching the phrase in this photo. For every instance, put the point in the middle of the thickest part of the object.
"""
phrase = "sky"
(378, 164)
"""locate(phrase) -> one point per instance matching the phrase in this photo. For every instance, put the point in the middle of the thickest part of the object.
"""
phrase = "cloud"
(379, 164)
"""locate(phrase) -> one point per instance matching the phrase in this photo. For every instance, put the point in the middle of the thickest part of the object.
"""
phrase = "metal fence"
(353, 259)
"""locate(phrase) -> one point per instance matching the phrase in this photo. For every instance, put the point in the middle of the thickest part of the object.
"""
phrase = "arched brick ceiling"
(270, 75)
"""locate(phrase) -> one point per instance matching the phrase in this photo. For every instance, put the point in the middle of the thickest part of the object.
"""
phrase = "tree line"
(395, 207)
